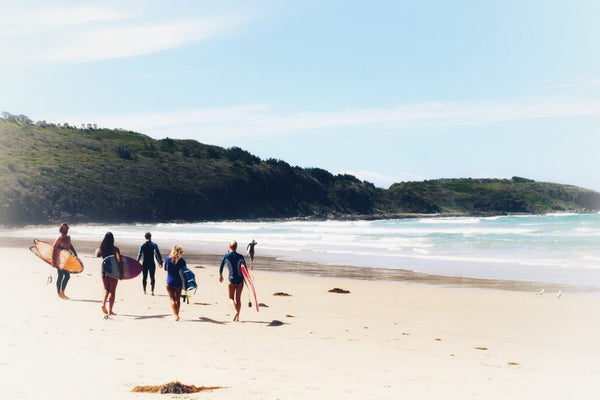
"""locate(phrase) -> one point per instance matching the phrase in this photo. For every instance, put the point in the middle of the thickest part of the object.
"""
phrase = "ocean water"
(556, 248)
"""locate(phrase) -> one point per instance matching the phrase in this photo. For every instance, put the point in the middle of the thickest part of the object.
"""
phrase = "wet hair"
(148, 235)
(62, 226)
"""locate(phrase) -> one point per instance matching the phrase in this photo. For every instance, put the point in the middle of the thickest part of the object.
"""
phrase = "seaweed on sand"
(174, 387)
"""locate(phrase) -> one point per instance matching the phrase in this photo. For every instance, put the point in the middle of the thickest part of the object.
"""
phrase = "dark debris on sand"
(173, 387)
(281, 294)
(338, 290)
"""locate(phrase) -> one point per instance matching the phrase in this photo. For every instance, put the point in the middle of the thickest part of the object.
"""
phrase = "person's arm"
(157, 254)
(140, 253)
(221, 270)
(118, 256)
(73, 250)
(55, 251)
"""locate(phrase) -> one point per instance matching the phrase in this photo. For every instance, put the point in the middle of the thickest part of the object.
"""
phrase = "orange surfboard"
(68, 261)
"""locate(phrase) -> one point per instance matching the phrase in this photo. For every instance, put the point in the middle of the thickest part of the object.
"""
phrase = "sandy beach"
(382, 340)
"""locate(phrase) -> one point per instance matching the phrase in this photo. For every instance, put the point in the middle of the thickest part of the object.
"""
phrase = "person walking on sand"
(63, 242)
(173, 265)
(234, 262)
(149, 251)
(108, 248)
(250, 249)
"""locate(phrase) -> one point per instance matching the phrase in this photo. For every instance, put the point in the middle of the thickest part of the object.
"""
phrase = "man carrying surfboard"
(63, 242)
(234, 262)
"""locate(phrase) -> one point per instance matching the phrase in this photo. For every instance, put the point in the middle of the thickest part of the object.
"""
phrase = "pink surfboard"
(250, 284)
(131, 268)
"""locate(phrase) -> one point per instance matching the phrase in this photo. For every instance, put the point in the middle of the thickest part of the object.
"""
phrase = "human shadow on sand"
(85, 300)
(157, 316)
(212, 321)
(267, 323)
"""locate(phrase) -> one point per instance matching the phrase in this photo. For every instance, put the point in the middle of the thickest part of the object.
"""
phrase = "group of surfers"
(148, 253)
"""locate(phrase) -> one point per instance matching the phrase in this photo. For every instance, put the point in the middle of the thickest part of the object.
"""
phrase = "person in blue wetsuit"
(149, 251)
(173, 265)
(234, 262)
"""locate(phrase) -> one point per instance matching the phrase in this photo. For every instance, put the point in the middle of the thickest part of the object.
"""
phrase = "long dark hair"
(108, 244)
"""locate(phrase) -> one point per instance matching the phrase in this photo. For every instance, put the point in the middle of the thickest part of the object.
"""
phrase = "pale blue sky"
(386, 90)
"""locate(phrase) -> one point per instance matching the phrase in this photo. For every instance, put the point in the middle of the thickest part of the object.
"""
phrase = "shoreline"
(336, 217)
(314, 269)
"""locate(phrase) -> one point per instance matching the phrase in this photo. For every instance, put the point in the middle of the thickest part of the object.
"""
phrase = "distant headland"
(55, 172)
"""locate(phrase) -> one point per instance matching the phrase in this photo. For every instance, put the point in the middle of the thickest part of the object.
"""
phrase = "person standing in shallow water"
(234, 262)
(174, 264)
(149, 251)
(250, 249)
(63, 242)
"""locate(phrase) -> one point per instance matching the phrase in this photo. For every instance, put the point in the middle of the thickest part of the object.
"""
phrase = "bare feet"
(177, 318)
(62, 295)
(113, 313)
(104, 310)
(237, 317)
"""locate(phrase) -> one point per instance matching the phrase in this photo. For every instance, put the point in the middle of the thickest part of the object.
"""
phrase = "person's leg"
(152, 270)
(235, 293)
(238, 299)
(112, 293)
(175, 297)
(177, 302)
(144, 277)
(106, 291)
(59, 281)
(63, 286)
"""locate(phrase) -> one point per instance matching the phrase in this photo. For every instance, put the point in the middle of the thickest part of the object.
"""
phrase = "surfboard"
(189, 283)
(188, 279)
(68, 261)
(250, 284)
(131, 268)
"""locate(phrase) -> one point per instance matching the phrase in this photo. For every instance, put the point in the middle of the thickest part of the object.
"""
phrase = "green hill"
(50, 173)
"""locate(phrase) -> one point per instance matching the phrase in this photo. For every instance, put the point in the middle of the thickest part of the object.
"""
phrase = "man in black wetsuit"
(149, 250)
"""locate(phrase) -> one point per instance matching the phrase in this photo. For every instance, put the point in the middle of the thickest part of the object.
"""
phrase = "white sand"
(382, 341)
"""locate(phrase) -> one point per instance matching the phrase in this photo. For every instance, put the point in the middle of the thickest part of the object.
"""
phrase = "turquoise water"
(558, 248)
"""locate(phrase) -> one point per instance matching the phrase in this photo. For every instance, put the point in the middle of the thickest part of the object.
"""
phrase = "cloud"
(134, 40)
(83, 34)
(24, 22)
(260, 120)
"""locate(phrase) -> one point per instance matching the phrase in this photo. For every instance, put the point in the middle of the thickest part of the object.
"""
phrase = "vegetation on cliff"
(50, 173)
